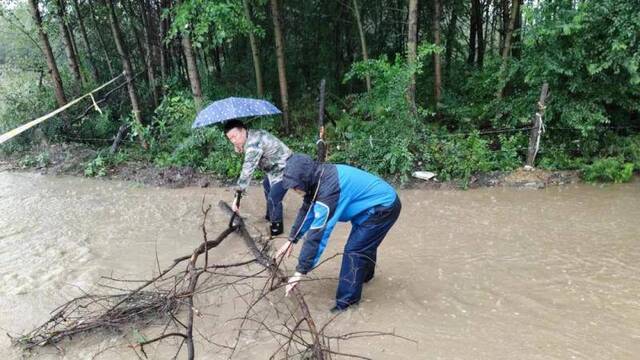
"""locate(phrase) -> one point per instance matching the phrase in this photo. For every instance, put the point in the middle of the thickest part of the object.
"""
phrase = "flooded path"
(496, 273)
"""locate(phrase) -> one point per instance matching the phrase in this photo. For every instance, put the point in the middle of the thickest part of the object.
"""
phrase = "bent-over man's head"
(236, 132)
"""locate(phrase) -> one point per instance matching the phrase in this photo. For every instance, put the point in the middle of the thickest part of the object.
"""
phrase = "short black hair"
(233, 124)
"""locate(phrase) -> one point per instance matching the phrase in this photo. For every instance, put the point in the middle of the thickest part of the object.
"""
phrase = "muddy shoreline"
(72, 159)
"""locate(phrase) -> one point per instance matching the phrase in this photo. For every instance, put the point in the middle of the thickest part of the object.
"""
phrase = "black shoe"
(276, 228)
(337, 310)
(369, 278)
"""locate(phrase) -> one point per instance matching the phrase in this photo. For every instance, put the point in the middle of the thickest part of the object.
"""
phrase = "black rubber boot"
(276, 228)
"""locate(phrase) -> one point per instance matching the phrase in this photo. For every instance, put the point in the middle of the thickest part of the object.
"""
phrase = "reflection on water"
(479, 274)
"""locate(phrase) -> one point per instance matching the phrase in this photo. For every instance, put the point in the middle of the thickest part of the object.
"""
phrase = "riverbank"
(74, 159)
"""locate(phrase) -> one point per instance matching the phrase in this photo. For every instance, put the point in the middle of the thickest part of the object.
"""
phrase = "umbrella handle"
(236, 200)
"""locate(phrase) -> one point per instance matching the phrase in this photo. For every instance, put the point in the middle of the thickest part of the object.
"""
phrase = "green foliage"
(586, 50)
(96, 167)
(457, 157)
(174, 143)
(21, 102)
(558, 158)
(508, 156)
(589, 56)
(40, 160)
(608, 170)
(624, 147)
(209, 21)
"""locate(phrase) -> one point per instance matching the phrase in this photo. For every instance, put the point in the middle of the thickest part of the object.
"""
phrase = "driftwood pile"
(171, 293)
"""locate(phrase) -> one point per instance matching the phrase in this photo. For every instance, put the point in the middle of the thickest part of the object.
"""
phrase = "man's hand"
(285, 250)
(293, 282)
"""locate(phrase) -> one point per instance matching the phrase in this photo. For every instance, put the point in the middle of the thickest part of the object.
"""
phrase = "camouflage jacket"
(266, 152)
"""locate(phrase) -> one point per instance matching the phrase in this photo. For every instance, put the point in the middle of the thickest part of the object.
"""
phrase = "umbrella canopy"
(233, 108)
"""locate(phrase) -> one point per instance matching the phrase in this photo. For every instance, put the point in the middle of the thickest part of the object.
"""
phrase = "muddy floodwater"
(494, 273)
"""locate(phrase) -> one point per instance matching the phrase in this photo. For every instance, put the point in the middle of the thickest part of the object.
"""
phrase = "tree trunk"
(476, 41)
(66, 39)
(363, 41)
(138, 36)
(97, 26)
(479, 34)
(192, 69)
(46, 49)
(216, 62)
(504, 12)
(87, 44)
(451, 39)
(437, 71)
(149, 29)
(471, 60)
(254, 51)
(506, 49)
(282, 74)
(516, 47)
(492, 32)
(126, 65)
(164, 26)
(412, 44)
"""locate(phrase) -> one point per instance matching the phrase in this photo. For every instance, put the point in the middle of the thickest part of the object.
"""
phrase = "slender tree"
(126, 64)
(282, 74)
(254, 51)
(192, 70)
(66, 40)
(151, 51)
(437, 71)
(451, 38)
(363, 41)
(471, 59)
(90, 58)
(412, 44)
(164, 51)
(46, 48)
(516, 48)
(103, 43)
(507, 49)
(476, 41)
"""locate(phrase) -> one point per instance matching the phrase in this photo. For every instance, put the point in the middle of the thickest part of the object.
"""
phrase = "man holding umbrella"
(261, 150)
(265, 151)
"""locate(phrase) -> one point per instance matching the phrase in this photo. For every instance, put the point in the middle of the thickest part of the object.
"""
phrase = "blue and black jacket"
(332, 193)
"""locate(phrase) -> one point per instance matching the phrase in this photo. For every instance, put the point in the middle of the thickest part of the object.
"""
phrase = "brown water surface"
(496, 273)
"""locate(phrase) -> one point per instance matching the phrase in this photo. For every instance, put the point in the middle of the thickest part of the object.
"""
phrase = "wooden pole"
(537, 129)
(320, 144)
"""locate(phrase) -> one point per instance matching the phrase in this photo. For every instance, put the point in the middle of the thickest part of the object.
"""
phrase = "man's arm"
(251, 160)
(303, 221)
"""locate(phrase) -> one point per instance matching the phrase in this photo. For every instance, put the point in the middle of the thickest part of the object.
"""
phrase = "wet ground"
(490, 273)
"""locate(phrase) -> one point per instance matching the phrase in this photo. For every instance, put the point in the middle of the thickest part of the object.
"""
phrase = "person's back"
(339, 193)
(360, 190)
(273, 153)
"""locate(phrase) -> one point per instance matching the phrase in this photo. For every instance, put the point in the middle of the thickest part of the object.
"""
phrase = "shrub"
(608, 170)
(457, 157)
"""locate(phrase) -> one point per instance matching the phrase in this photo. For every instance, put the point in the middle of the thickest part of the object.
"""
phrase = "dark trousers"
(273, 193)
(360, 252)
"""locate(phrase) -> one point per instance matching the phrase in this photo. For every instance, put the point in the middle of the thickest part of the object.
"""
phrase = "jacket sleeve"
(325, 216)
(303, 221)
(252, 157)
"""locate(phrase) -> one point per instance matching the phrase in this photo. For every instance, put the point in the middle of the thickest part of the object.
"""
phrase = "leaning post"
(537, 127)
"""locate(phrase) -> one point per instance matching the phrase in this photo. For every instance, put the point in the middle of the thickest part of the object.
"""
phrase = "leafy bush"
(558, 158)
(38, 161)
(608, 170)
(96, 167)
(457, 157)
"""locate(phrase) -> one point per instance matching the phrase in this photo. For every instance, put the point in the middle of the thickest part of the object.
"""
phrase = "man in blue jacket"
(335, 193)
